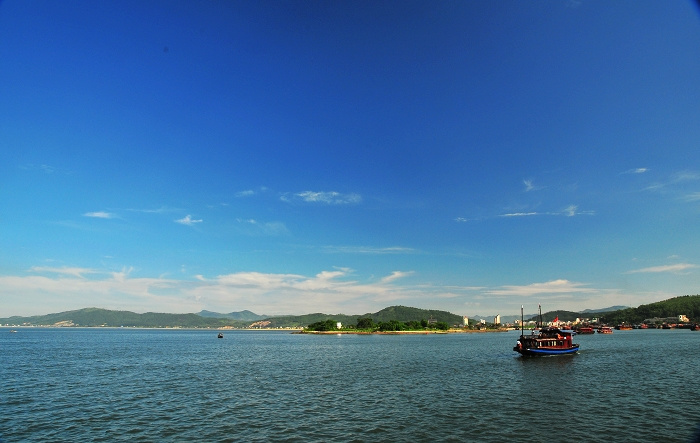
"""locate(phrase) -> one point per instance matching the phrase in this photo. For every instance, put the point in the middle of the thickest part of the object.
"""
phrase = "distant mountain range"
(688, 305)
(90, 317)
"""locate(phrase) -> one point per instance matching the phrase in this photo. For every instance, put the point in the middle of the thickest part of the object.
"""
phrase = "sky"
(294, 157)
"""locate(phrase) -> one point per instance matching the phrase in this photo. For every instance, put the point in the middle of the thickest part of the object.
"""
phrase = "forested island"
(367, 325)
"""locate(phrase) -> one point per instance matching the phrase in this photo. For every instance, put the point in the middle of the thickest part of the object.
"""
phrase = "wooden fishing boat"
(605, 330)
(548, 341)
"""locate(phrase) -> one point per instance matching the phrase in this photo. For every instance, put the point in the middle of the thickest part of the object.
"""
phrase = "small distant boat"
(605, 330)
(548, 341)
(695, 327)
(13, 331)
(623, 327)
(585, 330)
(220, 335)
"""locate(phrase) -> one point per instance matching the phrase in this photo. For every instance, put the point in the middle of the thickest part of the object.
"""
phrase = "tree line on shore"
(369, 325)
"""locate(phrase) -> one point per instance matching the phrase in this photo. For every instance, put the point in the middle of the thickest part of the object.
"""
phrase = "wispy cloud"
(251, 192)
(560, 286)
(679, 267)
(368, 250)
(675, 182)
(395, 276)
(188, 220)
(46, 169)
(99, 214)
(530, 186)
(695, 196)
(336, 290)
(636, 171)
(325, 197)
(332, 290)
(75, 272)
(569, 211)
(255, 227)
(685, 176)
(520, 214)
(161, 210)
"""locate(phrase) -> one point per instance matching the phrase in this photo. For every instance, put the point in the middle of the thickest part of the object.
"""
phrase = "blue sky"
(341, 157)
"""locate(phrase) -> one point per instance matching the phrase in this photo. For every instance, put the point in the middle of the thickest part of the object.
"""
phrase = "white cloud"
(685, 176)
(530, 186)
(188, 220)
(251, 192)
(331, 198)
(76, 272)
(254, 227)
(665, 268)
(675, 182)
(99, 214)
(570, 211)
(695, 196)
(335, 290)
(368, 250)
(122, 275)
(329, 291)
(395, 276)
(520, 214)
(161, 210)
(636, 171)
(560, 286)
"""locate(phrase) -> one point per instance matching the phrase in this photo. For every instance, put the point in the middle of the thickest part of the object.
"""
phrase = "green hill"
(399, 313)
(688, 305)
(105, 317)
(406, 314)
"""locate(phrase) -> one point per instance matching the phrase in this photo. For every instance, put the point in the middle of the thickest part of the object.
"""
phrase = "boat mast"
(522, 332)
(540, 319)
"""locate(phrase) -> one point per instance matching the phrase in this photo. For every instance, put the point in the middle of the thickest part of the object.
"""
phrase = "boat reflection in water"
(548, 341)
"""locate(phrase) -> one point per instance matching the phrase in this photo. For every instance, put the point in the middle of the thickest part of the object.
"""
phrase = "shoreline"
(431, 332)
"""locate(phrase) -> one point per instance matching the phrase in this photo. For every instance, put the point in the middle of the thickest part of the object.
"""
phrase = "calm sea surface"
(187, 385)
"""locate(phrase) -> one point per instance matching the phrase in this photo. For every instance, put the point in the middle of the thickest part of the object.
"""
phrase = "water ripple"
(148, 385)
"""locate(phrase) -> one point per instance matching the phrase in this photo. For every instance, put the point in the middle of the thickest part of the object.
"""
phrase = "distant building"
(465, 320)
(497, 320)
(339, 325)
(683, 319)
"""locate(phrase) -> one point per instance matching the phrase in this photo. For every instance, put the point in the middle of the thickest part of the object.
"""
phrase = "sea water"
(93, 384)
